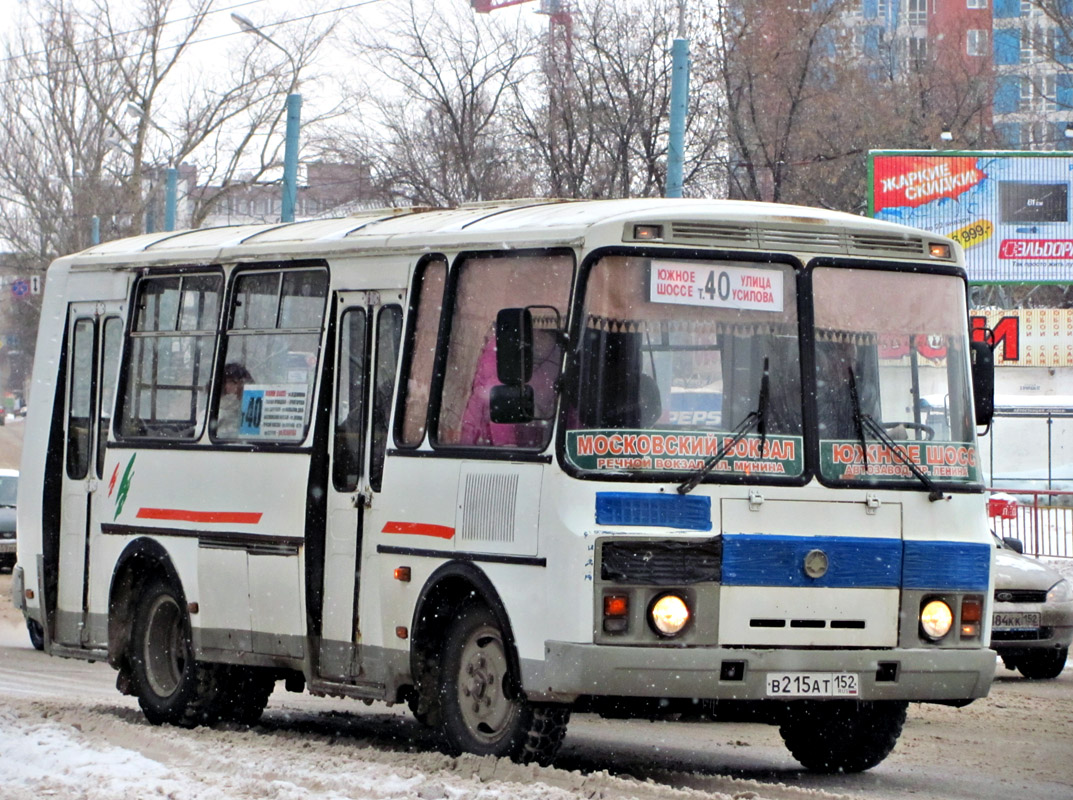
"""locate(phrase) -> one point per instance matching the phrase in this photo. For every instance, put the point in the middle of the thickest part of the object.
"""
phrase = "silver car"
(9, 485)
(1032, 625)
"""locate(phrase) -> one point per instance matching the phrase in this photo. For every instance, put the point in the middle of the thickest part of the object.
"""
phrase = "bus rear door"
(95, 335)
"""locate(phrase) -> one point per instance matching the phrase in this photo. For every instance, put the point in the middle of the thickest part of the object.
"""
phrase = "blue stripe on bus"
(688, 512)
(773, 560)
(946, 566)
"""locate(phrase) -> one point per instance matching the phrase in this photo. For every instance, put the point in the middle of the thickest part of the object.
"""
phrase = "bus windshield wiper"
(757, 419)
(866, 424)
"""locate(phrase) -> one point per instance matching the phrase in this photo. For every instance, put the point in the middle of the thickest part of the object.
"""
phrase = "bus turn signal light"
(616, 613)
(616, 605)
(972, 610)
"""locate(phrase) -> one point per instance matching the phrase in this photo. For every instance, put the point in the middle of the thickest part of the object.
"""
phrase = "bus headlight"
(936, 619)
(669, 615)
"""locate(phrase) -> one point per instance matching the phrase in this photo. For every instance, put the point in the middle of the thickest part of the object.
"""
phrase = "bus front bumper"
(571, 670)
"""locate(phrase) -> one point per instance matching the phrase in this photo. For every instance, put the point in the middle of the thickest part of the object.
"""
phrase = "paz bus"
(507, 461)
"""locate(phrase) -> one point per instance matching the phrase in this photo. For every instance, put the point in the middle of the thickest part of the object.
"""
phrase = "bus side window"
(80, 405)
(417, 371)
(169, 356)
(113, 343)
(273, 333)
(388, 334)
(483, 286)
(350, 401)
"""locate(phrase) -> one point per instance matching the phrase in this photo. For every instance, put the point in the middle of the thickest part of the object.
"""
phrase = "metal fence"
(1029, 448)
(1041, 520)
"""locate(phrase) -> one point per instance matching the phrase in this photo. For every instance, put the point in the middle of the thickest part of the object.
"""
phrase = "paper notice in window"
(694, 284)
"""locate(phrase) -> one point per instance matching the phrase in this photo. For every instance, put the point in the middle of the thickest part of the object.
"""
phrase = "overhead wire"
(212, 38)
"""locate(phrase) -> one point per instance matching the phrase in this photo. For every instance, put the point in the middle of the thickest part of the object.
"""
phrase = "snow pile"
(58, 750)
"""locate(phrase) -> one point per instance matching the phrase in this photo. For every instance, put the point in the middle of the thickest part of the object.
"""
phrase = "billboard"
(1010, 211)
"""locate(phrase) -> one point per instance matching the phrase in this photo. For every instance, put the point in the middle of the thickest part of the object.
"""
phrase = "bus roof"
(725, 224)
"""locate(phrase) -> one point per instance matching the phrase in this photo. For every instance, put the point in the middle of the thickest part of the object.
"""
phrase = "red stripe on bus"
(420, 529)
(183, 515)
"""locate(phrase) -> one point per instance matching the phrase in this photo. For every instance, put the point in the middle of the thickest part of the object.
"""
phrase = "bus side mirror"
(983, 381)
(510, 404)
(514, 346)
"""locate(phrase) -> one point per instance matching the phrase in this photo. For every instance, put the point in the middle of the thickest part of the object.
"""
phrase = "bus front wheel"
(483, 710)
(841, 735)
(170, 685)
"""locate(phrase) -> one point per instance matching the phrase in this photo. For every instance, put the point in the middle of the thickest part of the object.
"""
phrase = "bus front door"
(368, 327)
(94, 335)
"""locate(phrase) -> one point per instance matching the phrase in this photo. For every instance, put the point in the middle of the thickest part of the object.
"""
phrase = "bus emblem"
(816, 563)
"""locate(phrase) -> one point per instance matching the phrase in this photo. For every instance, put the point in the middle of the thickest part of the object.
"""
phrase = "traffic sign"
(20, 287)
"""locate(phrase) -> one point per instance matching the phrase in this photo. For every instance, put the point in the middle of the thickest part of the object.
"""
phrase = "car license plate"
(812, 684)
(1015, 620)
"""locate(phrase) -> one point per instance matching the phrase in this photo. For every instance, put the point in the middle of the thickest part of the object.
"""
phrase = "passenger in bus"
(477, 425)
(236, 376)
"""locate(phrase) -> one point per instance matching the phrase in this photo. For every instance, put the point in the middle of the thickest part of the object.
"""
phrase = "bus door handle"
(91, 485)
(362, 499)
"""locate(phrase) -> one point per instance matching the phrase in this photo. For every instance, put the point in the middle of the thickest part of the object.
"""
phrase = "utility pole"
(679, 105)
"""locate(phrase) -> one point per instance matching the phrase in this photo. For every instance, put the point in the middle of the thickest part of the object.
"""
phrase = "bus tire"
(1043, 664)
(842, 735)
(242, 693)
(424, 701)
(170, 685)
(37, 634)
(483, 710)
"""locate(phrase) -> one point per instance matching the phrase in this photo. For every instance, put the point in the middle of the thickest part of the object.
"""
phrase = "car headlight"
(669, 615)
(936, 619)
(1061, 592)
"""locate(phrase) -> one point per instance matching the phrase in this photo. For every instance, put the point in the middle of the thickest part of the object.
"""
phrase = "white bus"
(507, 461)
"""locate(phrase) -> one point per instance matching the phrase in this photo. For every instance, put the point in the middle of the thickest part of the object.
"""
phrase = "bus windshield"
(671, 360)
(892, 381)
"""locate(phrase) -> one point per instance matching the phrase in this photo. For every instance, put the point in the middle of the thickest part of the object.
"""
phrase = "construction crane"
(560, 29)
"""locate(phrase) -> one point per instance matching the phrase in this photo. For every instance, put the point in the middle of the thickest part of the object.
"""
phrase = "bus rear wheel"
(242, 693)
(170, 685)
(841, 735)
(483, 709)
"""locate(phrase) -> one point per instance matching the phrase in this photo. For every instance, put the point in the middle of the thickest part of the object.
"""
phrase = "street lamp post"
(294, 116)
(679, 105)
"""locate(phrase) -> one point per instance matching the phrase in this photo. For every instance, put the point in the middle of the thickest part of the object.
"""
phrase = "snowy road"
(65, 732)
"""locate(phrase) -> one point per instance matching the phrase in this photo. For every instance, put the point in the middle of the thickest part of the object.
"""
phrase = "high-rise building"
(1023, 49)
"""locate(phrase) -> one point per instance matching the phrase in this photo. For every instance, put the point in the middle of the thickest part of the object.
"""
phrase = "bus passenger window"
(274, 334)
(113, 343)
(350, 401)
(388, 334)
(484, 286)
(169, 357)
(80, 403)
(417, 374)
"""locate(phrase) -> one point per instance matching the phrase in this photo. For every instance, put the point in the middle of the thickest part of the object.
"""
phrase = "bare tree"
(95, 102)
(435, 133)
(599, 123)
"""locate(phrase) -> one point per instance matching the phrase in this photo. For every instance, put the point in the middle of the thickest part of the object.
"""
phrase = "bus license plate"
(812, 684)
(1015, 620)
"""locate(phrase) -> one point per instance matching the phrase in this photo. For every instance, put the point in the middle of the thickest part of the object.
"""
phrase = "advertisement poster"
(1010, 211)
(1026, 337)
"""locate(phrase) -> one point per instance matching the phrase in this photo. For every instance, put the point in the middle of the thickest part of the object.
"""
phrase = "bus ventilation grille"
(662, 562)
(489, 508)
